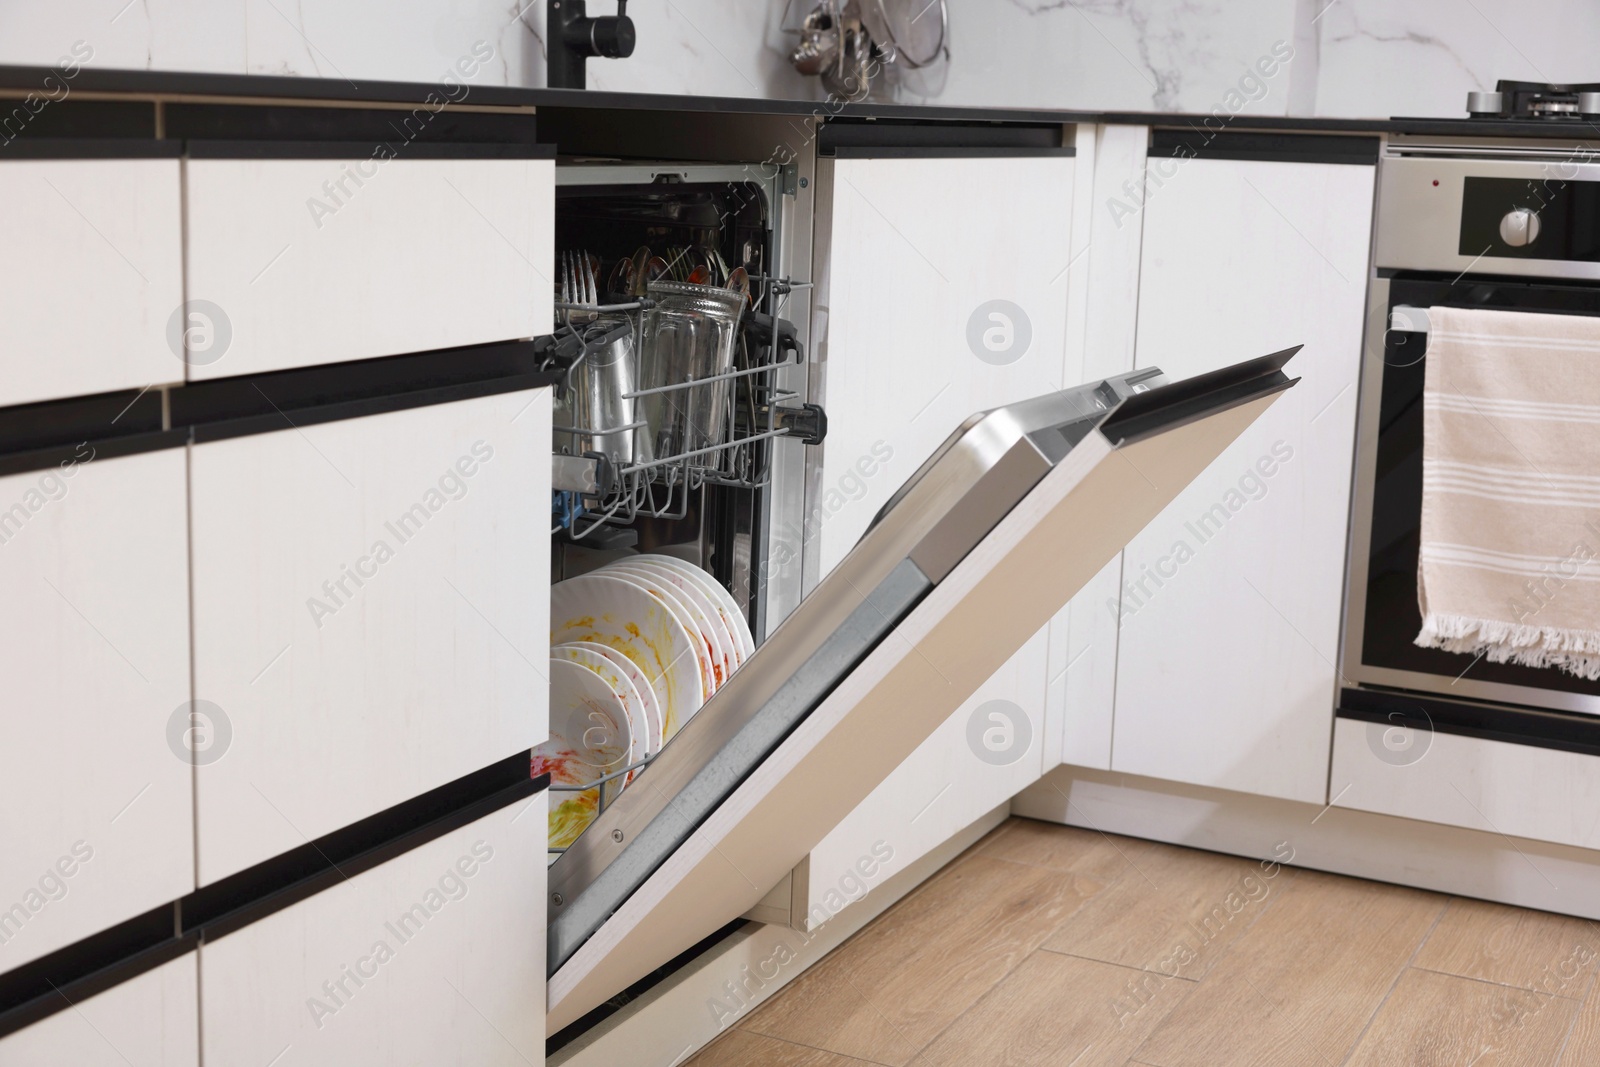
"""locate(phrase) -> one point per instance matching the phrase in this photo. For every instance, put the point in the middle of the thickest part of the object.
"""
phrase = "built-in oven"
(1507, 225)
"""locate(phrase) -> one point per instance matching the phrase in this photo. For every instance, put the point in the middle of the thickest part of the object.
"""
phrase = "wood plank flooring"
(1047, 945)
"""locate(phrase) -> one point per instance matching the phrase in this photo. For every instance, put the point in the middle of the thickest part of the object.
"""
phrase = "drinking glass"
(689, 334)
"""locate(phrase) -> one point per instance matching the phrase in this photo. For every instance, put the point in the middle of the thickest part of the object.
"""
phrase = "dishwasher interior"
(652, 476)
(682, 394)
(707, 498)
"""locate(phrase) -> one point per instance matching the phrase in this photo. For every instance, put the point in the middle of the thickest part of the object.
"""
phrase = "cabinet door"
(932, 312)
(90, 274)
(929, 319)
(1083, 639)
(95, 792)
(435, 957)
(1230, 601)
(298, 263)
(371, 614)
(148, 1021)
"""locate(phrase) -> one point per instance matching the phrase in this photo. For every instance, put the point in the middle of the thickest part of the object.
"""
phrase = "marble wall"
(708, 47)
(1422, 57)
(1348, 58)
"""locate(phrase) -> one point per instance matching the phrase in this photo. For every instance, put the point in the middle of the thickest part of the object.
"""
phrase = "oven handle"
(1408, 319)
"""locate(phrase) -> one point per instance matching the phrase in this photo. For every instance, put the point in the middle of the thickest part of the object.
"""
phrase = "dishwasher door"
(987, 541)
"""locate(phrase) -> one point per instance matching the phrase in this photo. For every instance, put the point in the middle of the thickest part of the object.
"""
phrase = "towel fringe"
(1574, 651)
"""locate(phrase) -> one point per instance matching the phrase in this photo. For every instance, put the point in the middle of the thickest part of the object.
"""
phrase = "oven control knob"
(1520, 227)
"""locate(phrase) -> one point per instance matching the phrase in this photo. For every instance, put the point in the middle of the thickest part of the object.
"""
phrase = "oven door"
(1014, 513)
(1382, 617)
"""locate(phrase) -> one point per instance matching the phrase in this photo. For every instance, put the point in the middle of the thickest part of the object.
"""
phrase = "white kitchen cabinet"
(294, 262)
(1083, 638)
(371, 614)
(148, 1021)
(434, 957)
(1527, 791)
(95, 801)
(108, 229)
(1230, 602)
(915, 331)
(981, 756)
(926, 319)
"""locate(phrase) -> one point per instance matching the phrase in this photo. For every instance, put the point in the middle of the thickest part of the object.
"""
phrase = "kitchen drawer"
(1543, 794)
(95, 792)
(148, 1021)
(435, 957)
(91, 272)
(322, 260)
(371, 603)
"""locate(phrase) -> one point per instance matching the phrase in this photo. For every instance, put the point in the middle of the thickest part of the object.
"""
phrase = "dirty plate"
(622, 615)
(650, 703)
(701, 613)
(589, 738)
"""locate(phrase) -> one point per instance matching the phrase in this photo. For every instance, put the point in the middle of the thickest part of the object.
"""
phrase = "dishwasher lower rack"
(595, 490)
(607, 787)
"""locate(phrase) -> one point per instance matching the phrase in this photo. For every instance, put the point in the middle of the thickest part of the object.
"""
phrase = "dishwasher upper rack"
(660, 486)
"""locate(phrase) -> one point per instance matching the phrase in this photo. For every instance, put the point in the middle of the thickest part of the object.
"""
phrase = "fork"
(578, 284)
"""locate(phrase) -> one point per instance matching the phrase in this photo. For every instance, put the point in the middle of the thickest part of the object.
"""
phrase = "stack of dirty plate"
(637, 647)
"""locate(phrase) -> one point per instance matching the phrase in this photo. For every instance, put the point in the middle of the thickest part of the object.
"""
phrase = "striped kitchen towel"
(1510, 559)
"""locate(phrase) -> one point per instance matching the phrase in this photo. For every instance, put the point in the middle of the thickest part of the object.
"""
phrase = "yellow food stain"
(646, 654)
(572, 816)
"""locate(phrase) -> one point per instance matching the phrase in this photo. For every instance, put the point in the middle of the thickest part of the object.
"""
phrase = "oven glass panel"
(1569, 218)
(1392, 615)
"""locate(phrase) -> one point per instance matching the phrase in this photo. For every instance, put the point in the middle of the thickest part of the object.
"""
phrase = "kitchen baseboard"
(715, 991)
(1447, 859)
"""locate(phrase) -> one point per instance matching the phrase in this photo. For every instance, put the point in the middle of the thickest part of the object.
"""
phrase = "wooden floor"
(1048, 945)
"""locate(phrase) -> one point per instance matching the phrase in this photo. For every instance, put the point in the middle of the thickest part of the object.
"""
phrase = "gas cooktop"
(1536, 101)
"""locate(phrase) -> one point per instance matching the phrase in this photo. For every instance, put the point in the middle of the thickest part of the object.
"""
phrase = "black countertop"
(14, 79)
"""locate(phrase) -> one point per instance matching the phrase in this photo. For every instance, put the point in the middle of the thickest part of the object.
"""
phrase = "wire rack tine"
(740, 458)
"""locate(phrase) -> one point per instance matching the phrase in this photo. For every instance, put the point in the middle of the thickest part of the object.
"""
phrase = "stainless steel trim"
(1420, 223)
(634, 173)
(985, 504)
(1529, 148)
(1366, 465)
(1467, 688)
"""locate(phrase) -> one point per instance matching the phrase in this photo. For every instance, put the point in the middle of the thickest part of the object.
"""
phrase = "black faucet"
(574, 37)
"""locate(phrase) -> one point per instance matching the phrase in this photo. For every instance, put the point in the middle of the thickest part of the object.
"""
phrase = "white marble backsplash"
(1347, 58)
(1124, 55)
(1422, 57)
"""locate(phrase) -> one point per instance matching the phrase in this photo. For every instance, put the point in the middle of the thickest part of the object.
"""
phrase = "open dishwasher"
(982, 545)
